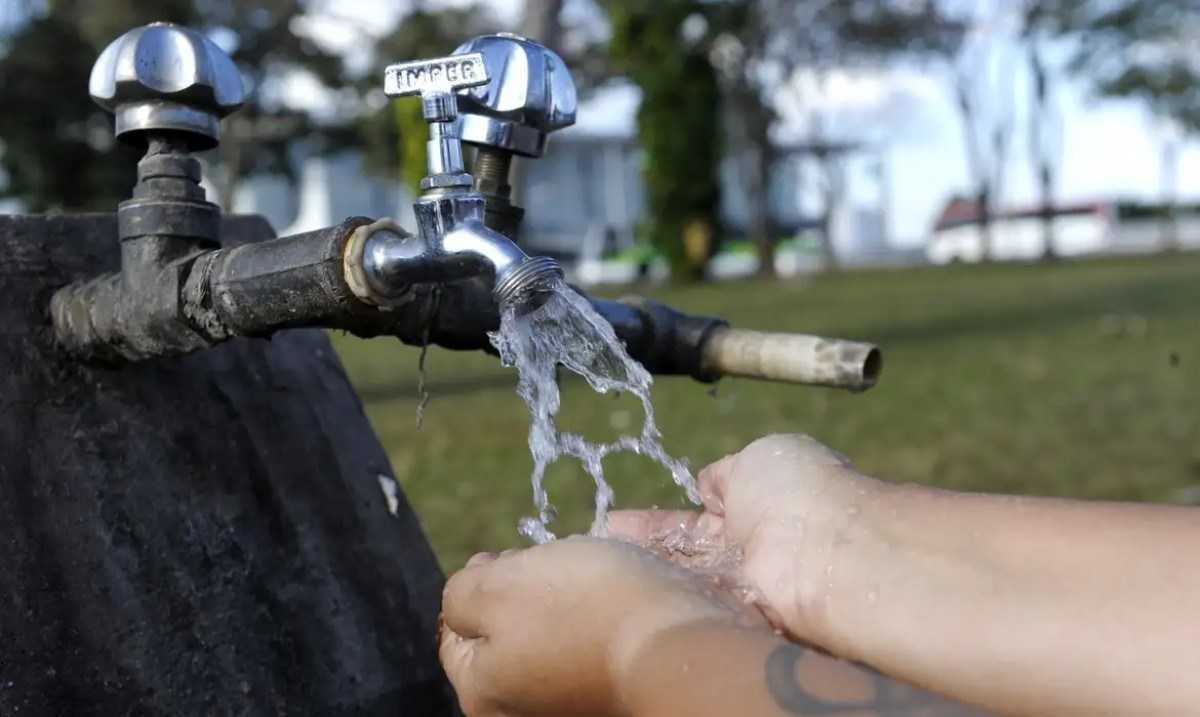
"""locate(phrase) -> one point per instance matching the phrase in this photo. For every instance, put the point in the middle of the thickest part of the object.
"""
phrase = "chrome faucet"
(179, 290)
(182, 288)
(453, 240)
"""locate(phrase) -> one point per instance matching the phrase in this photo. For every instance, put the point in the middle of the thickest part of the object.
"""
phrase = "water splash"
(708, 556)
(567, 331)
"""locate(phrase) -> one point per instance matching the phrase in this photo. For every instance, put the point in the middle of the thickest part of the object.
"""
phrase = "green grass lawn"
(1077, 379)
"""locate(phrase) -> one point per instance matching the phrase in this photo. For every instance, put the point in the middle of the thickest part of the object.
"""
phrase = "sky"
(1110, 149)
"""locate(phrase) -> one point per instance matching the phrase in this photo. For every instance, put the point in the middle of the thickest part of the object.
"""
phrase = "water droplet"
(535, 530)
(852, 511)
(872, 596)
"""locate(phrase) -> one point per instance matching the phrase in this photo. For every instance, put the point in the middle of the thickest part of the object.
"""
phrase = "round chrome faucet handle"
(163, 77)
(530, 94)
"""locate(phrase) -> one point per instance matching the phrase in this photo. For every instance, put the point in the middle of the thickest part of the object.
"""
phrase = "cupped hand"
(782, 505)
(554, 629)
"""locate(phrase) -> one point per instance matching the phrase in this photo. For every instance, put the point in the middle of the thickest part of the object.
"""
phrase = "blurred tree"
(816, 37)
(541, 20)
(984, 88)
(395, 134)
(1145, 49)
(101, 22)
(744, 35)
(54, 145)
(57, 148)
(268, 49)
(663, 49)
(867, 33)
(1042, 24)
(1128, 48)
(57, 144)
(755, 47)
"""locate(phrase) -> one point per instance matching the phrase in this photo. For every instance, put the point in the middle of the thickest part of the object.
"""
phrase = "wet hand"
(554, 629)
(783, 502)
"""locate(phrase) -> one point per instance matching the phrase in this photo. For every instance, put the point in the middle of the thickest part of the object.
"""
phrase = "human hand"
(784, 502)
(555, 629)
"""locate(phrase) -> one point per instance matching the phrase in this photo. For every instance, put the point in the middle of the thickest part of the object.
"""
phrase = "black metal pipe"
(459, 316)
(665, 341)
(300, 281)
(256, 289)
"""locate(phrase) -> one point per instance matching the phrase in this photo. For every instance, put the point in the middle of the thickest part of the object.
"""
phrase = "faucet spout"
(393, 260)
(494, 252)
(518, 280)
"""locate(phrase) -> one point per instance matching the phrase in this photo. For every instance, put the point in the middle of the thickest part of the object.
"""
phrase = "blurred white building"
(1081, 229)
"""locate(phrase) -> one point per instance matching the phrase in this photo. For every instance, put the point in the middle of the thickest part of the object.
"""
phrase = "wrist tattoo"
(887, 697)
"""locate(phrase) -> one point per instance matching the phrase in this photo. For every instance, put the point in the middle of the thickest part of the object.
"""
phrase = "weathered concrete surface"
(199, 535)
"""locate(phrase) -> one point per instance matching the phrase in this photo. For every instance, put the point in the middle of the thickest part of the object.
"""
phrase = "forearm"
(716, 670)
(1024, 605)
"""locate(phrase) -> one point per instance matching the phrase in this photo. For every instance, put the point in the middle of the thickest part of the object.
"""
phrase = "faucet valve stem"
(439, 107)
(436, 81)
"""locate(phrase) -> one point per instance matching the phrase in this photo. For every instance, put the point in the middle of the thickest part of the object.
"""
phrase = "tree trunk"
(1040, 117)
(197, 535)
(829, 261)
(1170, 197)
(760, 227)
(540, 21)
(986, 170)
(986, 245)
(230, 152)
(1046, 185)
(829, 204)
(829, 257)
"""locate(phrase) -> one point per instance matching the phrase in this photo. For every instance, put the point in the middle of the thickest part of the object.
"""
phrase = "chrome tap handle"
(164, 78)
(436, 81)
(530, 94)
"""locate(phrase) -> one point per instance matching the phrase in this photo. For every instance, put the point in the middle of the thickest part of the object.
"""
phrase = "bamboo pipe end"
(793, 358)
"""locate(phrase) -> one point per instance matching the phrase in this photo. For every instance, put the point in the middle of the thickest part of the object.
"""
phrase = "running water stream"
(566, 330)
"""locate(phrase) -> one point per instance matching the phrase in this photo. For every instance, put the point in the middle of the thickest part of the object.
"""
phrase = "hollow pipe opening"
(872, 366)
(528, 285)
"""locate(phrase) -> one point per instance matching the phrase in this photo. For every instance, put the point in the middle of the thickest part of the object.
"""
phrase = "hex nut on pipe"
(792, 358)
(353, 264)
